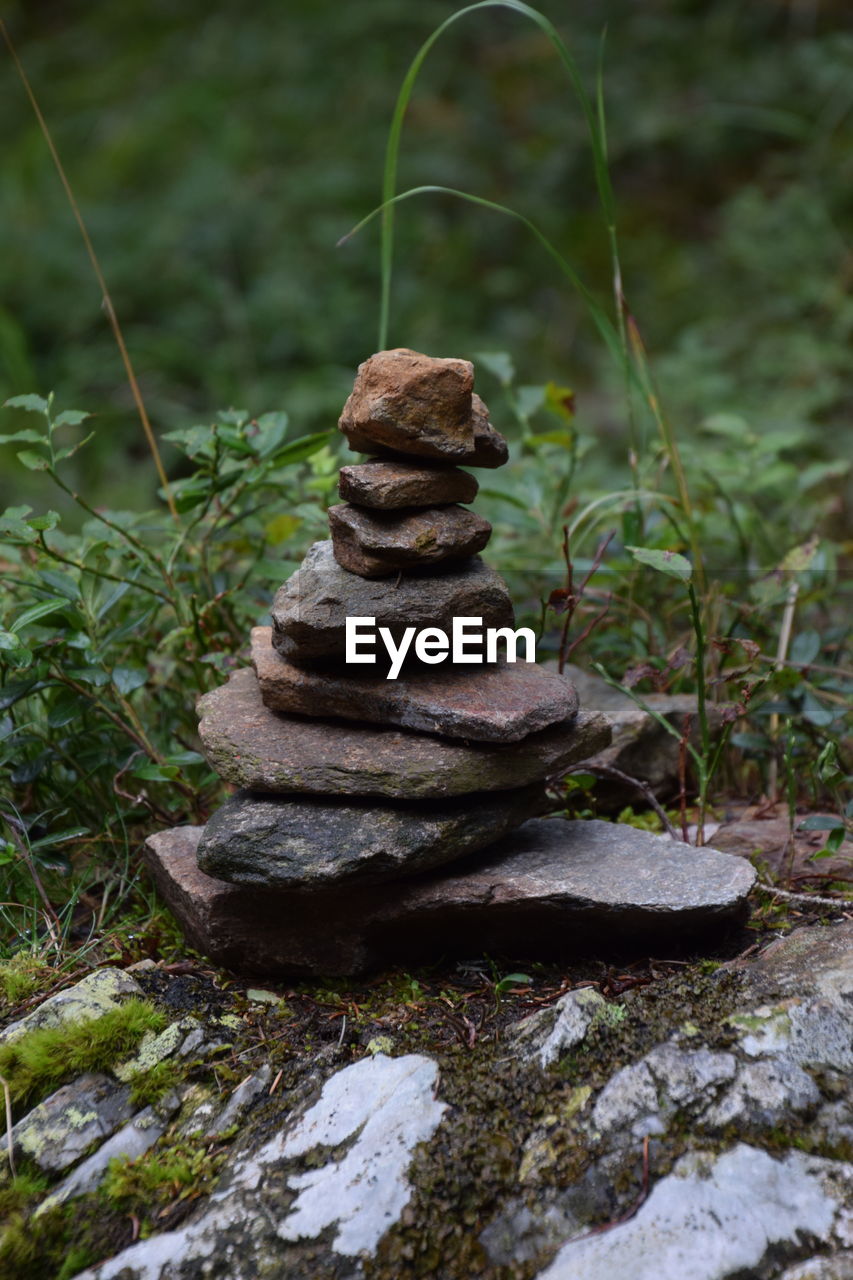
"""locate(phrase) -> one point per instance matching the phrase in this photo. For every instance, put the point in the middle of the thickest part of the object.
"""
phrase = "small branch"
(807, 899)
(9, 1144)
(608, 771)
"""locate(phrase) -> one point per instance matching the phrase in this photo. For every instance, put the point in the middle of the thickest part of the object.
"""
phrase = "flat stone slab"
(375, 544)
(489, 448)
(550, 887)
(389, 485)
(310, 610)
(263, 750)
(55, 1133)
(412, 403)
(502, 703)
(309, 845)
(90, 998)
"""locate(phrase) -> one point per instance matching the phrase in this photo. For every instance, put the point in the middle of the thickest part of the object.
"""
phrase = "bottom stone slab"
(551, 887)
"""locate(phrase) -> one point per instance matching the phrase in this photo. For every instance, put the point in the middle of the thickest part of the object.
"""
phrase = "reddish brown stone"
(550, 887)
(489, 448)
(375, 544)
(501, 703)
(413, 404)
(390, 485)
(265, 750)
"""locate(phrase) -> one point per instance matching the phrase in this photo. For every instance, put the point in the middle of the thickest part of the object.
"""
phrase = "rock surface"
(388, 486)
(264, 750)
(378, 1110)
(713, 1217)
(489, 448)
(502, 703)
(375, 544)
(57, 1132)
(411, 403)
(308, 845)
(94, 995)
(564, 884)
(309, 612)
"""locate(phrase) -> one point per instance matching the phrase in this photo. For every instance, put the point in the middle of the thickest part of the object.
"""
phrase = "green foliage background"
(219, 152)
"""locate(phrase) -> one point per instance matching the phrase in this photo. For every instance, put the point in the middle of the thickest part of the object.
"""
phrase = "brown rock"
(375, 544)
(489, 448)
(390, 485)
(502, 703)
(265, 750)
(310, 610)
(549, 888)
(413, 404)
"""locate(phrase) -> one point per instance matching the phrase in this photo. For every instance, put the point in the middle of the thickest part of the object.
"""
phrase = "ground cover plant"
(709, 561)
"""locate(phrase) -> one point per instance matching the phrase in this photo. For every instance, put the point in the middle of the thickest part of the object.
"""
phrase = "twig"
(9, 1143)
(608, 771)
(807, 899)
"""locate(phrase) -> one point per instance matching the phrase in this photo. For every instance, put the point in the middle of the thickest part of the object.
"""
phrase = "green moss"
(149, 1086)
(163, 1175)
(23, 975)
(41, 1060)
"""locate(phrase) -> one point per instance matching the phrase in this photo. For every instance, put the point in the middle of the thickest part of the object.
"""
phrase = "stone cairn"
(379, 816)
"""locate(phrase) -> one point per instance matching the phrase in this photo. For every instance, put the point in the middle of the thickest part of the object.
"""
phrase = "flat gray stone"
(376, 544)
(378, 1110)
(496, 703)
(307, 845)
(310, 610)
(563, 1025)
(712, 1218)
(411, 403)
(131, 1141)
(263, 750)
(550, 887)
(90, 998)
(57, 1131)
(387, 485)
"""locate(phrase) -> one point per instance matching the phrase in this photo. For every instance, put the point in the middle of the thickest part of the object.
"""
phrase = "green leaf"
(815, 712)
(33, 461)
(529, 399)
(181, 758)
(513, 980)
(299, 450)
(505, 497)
(61, 582)
(71, 418)
(37, 612)
(65, 707)
(156, 772)
(8, 642)
(280, 529)
(267, 433)
(828, 768)
(30, 403)
(561, 401)
(806, 647)
(45, 523)
(192, 440)
(563, 438)
(821, 822)
(17, 531)
(28, 436)
(57, 837)
(72, 449)
(126, 679)
(669, 562)
(498, 363)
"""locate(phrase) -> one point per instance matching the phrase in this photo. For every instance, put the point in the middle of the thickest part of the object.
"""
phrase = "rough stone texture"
(411, 403)
(553, 885)
(819, 960)
(132, 1141)
(307, 845)
(379, 1109)
(309, 612)
(555, 1030)
(264, 750)
(502, 703)
(641, 1099)
(839, 1267)
(489, 449)
(57, 1131)
(712, 1218)
(375, 544)
(387, 485)
(640, 747)
(90, 998)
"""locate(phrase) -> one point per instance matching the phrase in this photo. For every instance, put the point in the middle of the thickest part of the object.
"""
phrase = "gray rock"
(247, 1094)
(308, 845)
(377, 544)
(641, 747)
(501, 703)
(387, 486)
(641, 1099)
(57, 1132)
(818, 960)
(132, 1141)
(178, 1040)
(563, 1025)
(378, 1109)
(264, 750)
(712, 1218)
(764, 1095)
(551, 885)
(411, 403)
(90, 998)
(310, 610)
(839, 1267)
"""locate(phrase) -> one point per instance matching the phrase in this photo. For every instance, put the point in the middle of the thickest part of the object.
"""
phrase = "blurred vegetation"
(219, 154)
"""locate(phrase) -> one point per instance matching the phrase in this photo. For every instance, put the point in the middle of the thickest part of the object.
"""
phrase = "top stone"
(411, 404)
